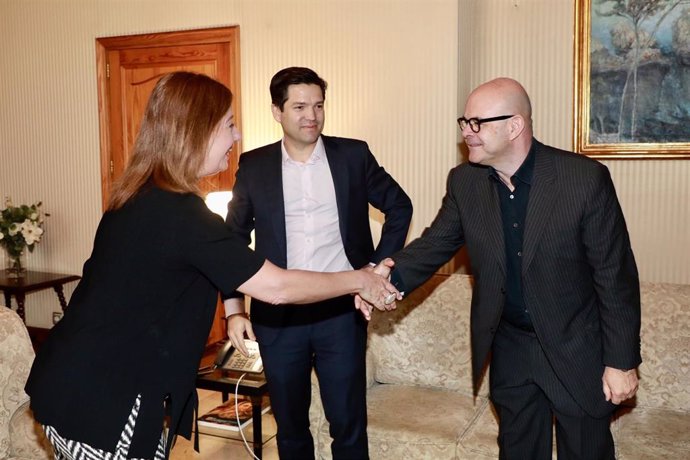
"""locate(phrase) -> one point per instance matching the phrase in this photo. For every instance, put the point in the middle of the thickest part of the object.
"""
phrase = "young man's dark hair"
(293, 76)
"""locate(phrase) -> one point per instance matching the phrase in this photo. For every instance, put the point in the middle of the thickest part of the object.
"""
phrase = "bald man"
(556, 300)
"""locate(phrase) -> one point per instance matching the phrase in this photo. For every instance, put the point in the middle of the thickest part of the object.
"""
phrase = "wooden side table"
(252, 385)
(30, 282)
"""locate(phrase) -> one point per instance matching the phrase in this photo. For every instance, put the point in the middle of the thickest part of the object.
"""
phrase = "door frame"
(228, 35)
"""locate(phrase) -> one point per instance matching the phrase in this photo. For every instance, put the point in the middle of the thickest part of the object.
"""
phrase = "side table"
(30, 282)
(252, 385)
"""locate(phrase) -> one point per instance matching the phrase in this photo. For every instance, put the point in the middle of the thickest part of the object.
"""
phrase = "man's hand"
(238, 324)
(383, 269)
(619, 385)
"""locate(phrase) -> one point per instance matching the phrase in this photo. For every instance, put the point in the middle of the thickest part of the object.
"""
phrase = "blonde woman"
(124, 357)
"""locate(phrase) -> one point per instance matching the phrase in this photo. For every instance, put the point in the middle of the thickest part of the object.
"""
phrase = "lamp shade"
(218, 202)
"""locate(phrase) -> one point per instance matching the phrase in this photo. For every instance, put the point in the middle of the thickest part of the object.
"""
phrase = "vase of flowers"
(21, 228)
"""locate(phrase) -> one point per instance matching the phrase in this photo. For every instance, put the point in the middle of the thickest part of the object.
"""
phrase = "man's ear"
(277, 113)
(516, 126)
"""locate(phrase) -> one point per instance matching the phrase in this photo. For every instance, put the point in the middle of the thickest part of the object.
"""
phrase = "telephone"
(230, 359)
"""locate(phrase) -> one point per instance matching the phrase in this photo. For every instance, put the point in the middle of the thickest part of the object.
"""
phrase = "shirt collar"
(524, 173)
(317, 155)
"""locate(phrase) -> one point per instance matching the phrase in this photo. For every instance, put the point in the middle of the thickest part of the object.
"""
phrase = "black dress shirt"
(513, 214)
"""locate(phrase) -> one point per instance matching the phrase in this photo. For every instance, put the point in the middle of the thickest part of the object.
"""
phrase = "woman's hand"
(383, 269)
(378, 291)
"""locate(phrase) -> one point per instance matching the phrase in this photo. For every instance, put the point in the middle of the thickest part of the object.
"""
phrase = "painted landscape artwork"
(632, 79)
(639, 80)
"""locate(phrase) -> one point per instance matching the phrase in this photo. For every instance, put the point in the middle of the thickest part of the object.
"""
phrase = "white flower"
(31, 232)
(20, 226)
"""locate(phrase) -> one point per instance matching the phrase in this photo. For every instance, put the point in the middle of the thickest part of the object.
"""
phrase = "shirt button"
(519, 253)
(512, 196)
(515, 225)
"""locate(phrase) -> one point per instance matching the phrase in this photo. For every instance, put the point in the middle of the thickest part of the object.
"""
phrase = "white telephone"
(230, 359)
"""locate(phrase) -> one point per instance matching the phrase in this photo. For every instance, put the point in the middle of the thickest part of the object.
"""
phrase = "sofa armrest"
(27, 439)
(664, 379)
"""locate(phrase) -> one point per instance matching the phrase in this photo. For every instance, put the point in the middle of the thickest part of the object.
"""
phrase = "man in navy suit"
(307, 198)
(556, 298)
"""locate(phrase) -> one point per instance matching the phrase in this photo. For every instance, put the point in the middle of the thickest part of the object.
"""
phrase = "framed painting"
(632, 78)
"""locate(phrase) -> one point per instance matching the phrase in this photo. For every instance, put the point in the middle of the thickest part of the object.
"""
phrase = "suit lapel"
(337, 162)
(542, 197)
(490, 211)
(273, 178)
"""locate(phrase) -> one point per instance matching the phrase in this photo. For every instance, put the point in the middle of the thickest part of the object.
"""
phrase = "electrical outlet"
(57, 316)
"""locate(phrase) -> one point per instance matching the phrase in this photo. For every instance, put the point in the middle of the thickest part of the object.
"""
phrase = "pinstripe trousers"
(528, 396)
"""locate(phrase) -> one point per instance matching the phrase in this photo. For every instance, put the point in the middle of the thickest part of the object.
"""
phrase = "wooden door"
(128, 68)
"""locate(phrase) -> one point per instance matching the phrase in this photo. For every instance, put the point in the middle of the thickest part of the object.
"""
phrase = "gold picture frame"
(620, 112)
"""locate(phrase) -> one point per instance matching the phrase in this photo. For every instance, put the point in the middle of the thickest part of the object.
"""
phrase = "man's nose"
(467, 131)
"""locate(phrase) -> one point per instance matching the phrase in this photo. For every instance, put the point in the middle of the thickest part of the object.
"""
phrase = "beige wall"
(391, 66)
(397, 79)
(532, 41)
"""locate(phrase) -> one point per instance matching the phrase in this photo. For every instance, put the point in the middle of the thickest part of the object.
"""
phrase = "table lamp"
(218, 202)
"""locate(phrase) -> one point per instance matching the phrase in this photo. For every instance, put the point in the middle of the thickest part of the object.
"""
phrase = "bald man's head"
(504, 139)
(504, 95)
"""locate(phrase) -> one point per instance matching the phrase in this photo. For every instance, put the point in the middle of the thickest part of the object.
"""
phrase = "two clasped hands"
(383, 269)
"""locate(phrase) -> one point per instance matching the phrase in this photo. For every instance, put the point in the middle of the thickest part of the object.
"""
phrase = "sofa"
(420, 399)
(21, 438)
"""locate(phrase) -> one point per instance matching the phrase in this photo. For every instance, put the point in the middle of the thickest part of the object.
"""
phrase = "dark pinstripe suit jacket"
(579, 275)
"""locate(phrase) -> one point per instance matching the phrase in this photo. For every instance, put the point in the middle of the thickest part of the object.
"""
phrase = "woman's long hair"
(182, 114)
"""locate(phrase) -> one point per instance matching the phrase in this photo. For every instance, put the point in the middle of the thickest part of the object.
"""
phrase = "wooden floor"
(217, 448)
(220, 448)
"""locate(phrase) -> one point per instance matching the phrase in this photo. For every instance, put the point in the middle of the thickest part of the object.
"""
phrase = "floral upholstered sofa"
(420, 399)
(21, 438)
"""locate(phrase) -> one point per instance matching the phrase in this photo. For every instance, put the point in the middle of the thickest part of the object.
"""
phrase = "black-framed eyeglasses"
(475, 124)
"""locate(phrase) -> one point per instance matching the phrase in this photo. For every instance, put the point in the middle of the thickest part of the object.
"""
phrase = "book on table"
(224, 416)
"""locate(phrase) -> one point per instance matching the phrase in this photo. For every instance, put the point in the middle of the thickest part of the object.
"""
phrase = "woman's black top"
(138, 321)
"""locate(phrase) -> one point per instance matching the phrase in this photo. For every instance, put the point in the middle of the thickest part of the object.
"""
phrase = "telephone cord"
(237, 414)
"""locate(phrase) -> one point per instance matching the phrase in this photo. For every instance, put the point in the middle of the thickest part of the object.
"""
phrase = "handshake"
(380, 298)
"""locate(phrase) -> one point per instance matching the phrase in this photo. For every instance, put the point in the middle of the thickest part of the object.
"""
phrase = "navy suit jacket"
(257, 204)
(579, 275)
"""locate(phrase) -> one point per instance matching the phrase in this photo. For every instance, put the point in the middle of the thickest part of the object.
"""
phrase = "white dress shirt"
(312, 225)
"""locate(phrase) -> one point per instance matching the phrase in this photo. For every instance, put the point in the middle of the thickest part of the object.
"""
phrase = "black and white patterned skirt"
(66, 449)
